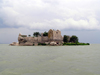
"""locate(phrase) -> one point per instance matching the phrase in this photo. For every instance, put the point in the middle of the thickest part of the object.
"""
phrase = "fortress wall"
(44, 38)
(52, 36)
(32, 39)
(57, 35)
(29, 39)
(39, 39)
(35, 39)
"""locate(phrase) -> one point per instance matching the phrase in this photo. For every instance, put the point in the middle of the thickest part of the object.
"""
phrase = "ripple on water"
(50, 60)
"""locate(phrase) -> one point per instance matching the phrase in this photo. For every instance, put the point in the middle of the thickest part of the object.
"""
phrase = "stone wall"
(52, 36)
(45, 39)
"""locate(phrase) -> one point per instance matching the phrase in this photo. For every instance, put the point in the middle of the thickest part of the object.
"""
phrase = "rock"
(14, 44)
(46, 43)
(26, 44)
(53, 43)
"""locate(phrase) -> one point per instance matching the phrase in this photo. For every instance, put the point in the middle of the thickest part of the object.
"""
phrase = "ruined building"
(54, 37)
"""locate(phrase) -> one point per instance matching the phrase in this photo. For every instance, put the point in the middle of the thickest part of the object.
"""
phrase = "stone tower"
(54, 35)
(50, 35)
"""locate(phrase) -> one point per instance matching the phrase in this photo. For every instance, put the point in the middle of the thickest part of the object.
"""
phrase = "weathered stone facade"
(53, 37)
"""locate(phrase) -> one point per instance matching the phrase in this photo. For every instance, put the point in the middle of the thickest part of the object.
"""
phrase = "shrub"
(65, 39)
(76, 44)
(36, 34)
(41, 44)
(45, 33)
(29, 35)
(64, 43)
(74, 39)
(87, 43)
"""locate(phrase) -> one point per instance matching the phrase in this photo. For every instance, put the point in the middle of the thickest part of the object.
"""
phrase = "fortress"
(53, 38)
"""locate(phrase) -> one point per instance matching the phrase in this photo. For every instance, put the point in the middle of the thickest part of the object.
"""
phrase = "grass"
(76, 44)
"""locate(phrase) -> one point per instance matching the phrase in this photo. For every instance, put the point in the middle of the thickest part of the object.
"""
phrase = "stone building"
(53, 38)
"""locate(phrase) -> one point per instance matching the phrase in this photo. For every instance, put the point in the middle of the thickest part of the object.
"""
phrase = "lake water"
(50, 60)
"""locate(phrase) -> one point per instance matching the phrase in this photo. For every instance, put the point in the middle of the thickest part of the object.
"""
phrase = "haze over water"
(50, 60)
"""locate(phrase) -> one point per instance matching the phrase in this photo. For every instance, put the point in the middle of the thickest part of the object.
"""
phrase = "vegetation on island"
(76, 43)
(41, 44)
(29, 35)
(36, 34)
(73, 40)
(45, 33)
(52, 37)
(65, 39)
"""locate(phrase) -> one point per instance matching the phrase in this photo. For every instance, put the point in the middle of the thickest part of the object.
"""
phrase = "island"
(50, 38)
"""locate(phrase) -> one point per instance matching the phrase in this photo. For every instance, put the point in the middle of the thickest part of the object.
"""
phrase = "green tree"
(45, 33)
(36, 34)
(74, 39)
(65, 39)
(29, 35)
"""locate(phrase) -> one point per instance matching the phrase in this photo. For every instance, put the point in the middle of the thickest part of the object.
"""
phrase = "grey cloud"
(43, 14)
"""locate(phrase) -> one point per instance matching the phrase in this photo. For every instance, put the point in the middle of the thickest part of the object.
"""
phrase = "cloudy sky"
(72, 17)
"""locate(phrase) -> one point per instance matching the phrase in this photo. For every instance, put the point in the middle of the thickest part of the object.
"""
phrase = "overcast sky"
(72, 17)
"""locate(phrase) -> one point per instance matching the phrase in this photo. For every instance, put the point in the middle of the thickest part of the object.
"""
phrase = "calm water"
(50, 60)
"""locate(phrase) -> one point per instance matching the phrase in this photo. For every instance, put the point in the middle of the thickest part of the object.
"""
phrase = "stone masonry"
(53, 37)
